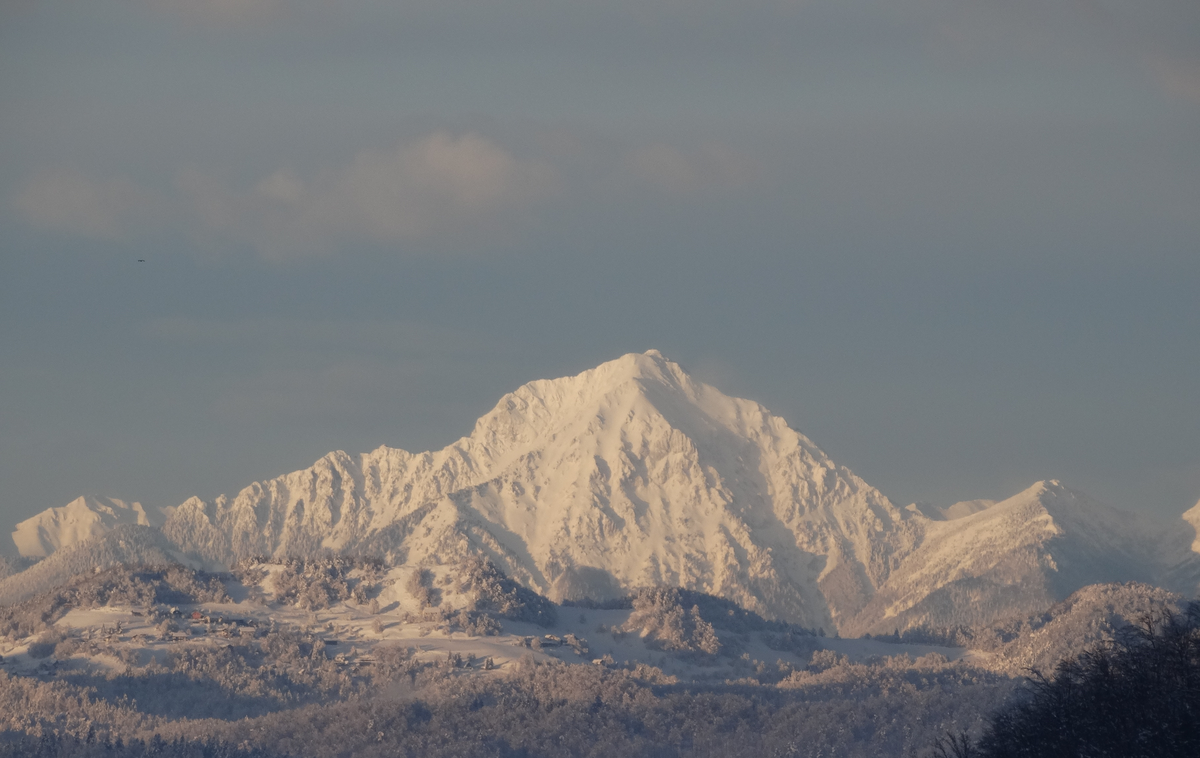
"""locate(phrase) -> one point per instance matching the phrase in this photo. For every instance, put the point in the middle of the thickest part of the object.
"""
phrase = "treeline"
(137, 587)
(316, 583)
(491, 590)
(556, 709)
(397, 706)
(721, 613)
(280, 670)
(128, 544)
(57, 746)
(13, 565)
(271, 691)
(662, 619)
(831, 708)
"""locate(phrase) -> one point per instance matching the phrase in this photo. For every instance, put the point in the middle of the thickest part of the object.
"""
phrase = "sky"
(957, 244)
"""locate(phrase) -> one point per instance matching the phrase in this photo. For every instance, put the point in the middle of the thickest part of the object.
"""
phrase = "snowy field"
(352, 633)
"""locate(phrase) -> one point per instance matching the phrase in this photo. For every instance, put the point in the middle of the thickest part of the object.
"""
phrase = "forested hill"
(307, 657)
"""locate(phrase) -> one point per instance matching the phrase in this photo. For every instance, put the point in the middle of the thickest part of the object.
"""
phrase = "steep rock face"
(629, 474)
(1012, 559)
(78, 521)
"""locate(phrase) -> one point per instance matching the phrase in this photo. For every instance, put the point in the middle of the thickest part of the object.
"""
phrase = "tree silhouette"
(1137, 696)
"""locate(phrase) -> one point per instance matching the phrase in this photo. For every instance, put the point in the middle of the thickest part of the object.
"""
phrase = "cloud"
(417, 189)
(210, 202)
(685, 171)
(68, 201)
(440, 186)
(434, 193)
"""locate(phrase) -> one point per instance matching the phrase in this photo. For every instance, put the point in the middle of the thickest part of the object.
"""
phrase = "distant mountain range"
(79, 520)
(634, 474)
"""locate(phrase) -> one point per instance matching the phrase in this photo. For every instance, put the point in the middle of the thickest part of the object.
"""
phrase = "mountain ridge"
(1014, 558)
(81, 519)
(633, 473)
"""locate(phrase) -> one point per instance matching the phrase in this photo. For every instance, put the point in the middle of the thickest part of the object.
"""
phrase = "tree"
(1138, 695)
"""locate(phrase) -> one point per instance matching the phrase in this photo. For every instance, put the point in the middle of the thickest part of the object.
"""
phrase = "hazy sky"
(957, 244)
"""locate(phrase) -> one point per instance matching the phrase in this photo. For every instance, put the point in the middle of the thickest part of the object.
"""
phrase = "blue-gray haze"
(955, 243)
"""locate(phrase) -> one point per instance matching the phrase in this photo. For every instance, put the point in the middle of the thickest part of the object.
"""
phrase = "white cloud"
(68, 201)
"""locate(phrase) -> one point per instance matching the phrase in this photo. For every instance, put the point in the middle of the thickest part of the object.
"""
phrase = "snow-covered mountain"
(79, 520)
(1013, 558)
(1183, 575)
(634, 474)
(1192, 517)
(125, 544)
(629, 474)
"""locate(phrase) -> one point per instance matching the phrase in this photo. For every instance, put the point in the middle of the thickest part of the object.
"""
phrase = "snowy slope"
(956, 511)
(629, 474)
(78, 521)
(1183, 551)
(1011, 559)
(1192, 518)
(1095, 613)
(125, 544)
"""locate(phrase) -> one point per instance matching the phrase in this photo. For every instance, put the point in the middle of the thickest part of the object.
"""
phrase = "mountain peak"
(628, 474)
(633, 385)
(653, 354)
(1052, 487)
(1054, 495)
(1064, 505)
(652, 365)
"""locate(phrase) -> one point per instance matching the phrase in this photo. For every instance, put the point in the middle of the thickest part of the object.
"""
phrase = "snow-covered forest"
(337, 656)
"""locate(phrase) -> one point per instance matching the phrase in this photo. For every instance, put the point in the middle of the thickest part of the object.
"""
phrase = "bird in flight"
(141, 260)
